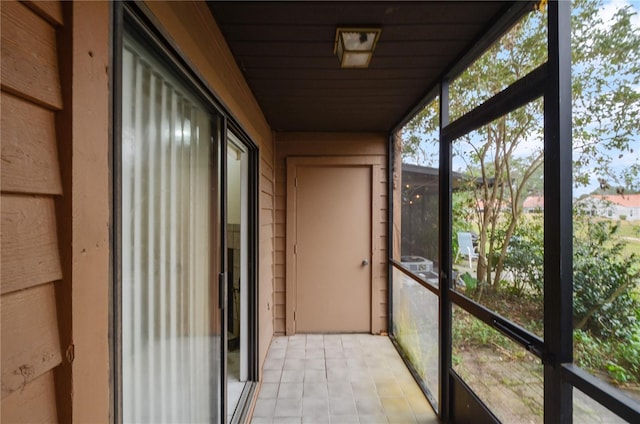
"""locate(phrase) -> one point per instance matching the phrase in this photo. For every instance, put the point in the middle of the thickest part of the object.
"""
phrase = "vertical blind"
(169, 341)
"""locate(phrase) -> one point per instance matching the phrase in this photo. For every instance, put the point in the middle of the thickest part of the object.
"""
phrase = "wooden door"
(332, 248)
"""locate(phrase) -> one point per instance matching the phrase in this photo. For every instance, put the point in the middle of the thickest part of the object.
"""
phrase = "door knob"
(365, 262)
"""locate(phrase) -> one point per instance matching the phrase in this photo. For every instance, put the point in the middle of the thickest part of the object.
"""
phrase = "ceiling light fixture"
(354, 46)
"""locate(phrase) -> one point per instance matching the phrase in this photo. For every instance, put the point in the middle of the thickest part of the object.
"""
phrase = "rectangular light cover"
(354, 46)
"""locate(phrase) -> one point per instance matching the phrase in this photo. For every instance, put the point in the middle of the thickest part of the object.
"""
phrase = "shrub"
(620, 360)
(603, 281)
(525, 257)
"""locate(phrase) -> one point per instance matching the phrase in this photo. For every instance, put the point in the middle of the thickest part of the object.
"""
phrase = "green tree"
(504, 158)
(606, 98)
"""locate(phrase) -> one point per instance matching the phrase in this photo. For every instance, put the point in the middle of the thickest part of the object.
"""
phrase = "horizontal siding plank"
(266, 146)
(30, 341)
(280, 270)
(266, 217)
(281, 186)
(280, 215)
(266, 276)
(29, 56)
(49, 10)
(36, 403)
(29, 153)
(29, 242)
(280, 244)
(266, 201)
(266, 247)
(266, 164)
(266, 185)
(266, 170)
(281, 202)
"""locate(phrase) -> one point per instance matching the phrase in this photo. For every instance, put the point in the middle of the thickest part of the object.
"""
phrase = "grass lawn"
(629, 229)
(631, 232)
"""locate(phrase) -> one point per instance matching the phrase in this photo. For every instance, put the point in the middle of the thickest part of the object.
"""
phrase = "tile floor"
(349, 378)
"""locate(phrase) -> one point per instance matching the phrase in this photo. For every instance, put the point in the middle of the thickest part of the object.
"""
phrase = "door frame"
(293, 162)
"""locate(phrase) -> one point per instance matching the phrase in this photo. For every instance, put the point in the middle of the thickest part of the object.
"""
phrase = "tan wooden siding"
(29, 242)
(266, 249)
(329, 144)
(29, 56)
(31, 267)
(193, 30)
(35, 404)
(30, 341)
(47, 9)
(29, 152)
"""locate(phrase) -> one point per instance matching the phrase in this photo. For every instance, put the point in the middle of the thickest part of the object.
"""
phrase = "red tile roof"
(533, 202)
(626, 200)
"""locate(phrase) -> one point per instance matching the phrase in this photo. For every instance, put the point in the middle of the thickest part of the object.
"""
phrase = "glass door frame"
(140, 20)
(252, 267)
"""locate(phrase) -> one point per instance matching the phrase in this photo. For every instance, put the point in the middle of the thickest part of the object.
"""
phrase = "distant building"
(613, 206)
(504, 206)
(533, 204)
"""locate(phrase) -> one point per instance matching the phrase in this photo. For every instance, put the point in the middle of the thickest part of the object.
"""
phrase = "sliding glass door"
(170, 239)
(185, 207)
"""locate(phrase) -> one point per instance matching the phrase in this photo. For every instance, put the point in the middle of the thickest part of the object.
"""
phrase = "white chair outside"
(465, 247)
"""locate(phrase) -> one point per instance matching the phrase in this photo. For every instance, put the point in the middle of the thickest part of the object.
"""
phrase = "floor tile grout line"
(358, 349)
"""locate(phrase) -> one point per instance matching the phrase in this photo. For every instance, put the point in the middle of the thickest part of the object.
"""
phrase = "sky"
(610, 8)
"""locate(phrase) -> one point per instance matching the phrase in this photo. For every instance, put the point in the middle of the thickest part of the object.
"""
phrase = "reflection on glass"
(517, 53)
(588, 411)
(498, 216)
(415, 327)
(507, 378)
(169, 340)
(417, 193)
(605, 40)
